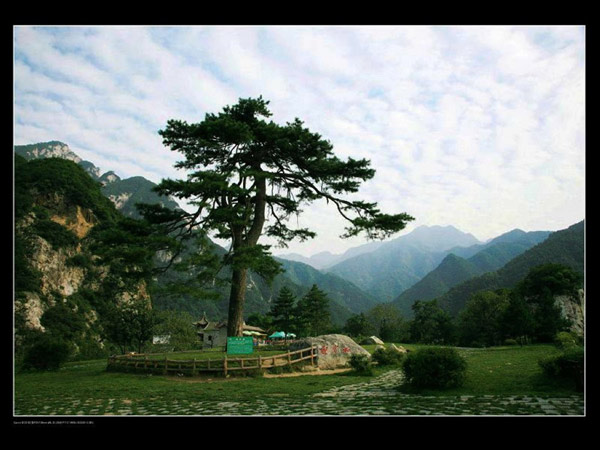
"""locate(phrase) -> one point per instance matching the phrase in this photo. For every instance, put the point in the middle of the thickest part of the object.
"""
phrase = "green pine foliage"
(312, 312)
(242, 168)
(283, 310)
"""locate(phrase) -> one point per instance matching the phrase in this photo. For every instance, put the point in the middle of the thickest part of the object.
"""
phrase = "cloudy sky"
(477, 127)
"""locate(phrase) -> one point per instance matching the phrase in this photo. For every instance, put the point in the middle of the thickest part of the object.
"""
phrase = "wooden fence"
(193, 367)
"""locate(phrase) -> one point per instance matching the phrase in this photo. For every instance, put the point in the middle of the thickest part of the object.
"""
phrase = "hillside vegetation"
(564, 247)
(476, 260)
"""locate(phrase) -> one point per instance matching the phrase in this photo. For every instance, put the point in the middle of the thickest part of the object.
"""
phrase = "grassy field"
(86, 388)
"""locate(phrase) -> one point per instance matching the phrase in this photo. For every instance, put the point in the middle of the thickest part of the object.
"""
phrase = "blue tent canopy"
(278, 334)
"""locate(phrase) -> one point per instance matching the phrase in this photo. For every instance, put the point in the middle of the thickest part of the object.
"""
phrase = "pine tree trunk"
(235, 320)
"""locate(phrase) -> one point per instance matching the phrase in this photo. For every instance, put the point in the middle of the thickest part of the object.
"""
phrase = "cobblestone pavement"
(377, 396)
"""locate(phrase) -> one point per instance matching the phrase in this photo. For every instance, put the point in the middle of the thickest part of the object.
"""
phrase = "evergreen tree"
(312, 312)
(283, 310)
(387, 323)
(130, 326)
(431, 324)
(517, 321)
(480, 322)
(358, 325)
(242, 168)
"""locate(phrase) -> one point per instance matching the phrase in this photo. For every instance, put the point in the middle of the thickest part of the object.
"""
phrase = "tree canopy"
(246, 177)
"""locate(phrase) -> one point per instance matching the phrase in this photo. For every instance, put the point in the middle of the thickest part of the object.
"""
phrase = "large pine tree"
(242, 168)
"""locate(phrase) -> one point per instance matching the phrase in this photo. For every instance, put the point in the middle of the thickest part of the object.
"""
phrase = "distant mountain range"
(474, 260)
(429, 262)
(396, 265)
(566, 247)
(325, 259)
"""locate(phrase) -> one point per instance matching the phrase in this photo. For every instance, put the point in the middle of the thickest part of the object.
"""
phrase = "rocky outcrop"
(397, 349)
(573, 308)
(120, 200)
(52, 149)
(56, 274)
(373, 340)
(31, 308)
(80, 223)
(334, 350)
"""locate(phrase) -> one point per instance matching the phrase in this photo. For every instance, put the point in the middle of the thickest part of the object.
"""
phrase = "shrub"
(57, 235)
(435, 368)
(387, 357)
(48, 353)
(361, 364)
(568, 365)
(564, 340)
(510, 342)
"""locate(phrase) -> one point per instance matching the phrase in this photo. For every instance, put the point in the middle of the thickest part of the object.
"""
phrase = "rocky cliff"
(62, 286)
(573, 308)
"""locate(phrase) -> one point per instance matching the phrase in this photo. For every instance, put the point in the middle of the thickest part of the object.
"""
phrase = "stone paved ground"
(377, 396)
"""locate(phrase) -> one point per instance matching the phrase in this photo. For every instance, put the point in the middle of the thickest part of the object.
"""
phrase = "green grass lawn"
(88, 386)
(511, 370)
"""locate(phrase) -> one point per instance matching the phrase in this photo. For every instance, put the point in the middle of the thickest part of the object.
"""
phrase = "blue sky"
(480, 127)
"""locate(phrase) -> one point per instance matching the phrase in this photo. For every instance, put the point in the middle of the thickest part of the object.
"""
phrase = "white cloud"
(478, 127)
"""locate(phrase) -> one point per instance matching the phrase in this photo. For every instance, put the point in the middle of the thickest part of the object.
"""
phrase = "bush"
(48, 353)
(565, 340)
(57, 235)
(569, 365)
(387, 357)
(361, 364)
(435, 368)
(510, 342)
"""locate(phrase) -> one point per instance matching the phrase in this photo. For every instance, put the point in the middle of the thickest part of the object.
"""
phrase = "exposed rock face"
(56, 274)
(80, 224)
(573, 308)
(52, 149)
(32, 308)
(120, 200)
(334, 350)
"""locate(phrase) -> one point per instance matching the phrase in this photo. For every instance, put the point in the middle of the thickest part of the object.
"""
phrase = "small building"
(214, 334)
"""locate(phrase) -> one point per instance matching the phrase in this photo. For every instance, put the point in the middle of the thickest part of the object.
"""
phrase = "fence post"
(289, 357)
(225, 365)
(259, 362)
(194, 367)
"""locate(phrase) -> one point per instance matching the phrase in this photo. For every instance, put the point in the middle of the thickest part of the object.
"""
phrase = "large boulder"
(373, 340)
(334, 350)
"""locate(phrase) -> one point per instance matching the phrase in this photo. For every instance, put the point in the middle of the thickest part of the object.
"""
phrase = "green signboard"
(240, 345)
